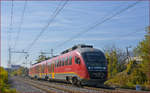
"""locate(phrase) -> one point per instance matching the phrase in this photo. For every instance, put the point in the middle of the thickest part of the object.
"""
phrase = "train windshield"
(95, 59)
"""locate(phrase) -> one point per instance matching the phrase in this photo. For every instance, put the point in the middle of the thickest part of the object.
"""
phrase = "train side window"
(37, 69)
(77, 60)
(57, 63)
(49, 70)
(42, 68)
(51, 67)
(60, 63)
(66, 61)
(63, 61)
(70, 60)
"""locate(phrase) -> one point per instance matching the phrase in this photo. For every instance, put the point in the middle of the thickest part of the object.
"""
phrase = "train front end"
(96, 65)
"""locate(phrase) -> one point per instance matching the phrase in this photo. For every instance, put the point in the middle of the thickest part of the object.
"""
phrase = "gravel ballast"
(22, 87)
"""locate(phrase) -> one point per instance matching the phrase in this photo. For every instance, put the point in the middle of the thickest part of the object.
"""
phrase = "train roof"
(83, 50)
(80, 48)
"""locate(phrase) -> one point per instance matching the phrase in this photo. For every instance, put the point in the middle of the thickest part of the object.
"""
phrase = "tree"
(42, 58)
(4, 86)
(114, 63)
(116, 60)
(128, 78)
(136, 72)
(144, 51)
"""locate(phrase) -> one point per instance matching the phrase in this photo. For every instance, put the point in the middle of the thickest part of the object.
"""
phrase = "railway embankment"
(26, 85)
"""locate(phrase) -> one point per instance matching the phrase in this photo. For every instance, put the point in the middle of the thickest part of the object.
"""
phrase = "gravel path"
(23, 87)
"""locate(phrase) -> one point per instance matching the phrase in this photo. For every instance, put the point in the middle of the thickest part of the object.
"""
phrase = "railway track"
(54, 87)
(48, 88)
(57, 88)
(106, 90)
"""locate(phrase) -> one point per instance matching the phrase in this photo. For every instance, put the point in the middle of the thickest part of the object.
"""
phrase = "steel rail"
(36, 83)
(37, 86)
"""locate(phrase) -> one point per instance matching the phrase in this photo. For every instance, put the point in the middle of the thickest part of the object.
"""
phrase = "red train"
(77, 65)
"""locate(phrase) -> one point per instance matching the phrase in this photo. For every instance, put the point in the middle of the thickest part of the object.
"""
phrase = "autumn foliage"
(135, 73)
(4, 86)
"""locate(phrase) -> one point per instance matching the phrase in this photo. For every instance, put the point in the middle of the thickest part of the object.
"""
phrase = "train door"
(77, 64)
(46, 69)
(49, 69)
(53, 74)
(40, 71)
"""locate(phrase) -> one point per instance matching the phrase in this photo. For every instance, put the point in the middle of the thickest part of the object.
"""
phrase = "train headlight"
(96, 68)
(90, 68)
(104, 67)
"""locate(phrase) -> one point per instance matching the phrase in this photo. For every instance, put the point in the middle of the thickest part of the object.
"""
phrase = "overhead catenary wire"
(20, 25)
(51, 17)
(96, 21)
(136, 31)
(56, 12)
(97, 24)
(107, 14)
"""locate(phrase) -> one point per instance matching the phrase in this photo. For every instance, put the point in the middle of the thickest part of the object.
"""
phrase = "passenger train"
(78, 65)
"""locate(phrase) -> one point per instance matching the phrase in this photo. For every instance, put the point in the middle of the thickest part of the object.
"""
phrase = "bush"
(129, 78)
(4, 86)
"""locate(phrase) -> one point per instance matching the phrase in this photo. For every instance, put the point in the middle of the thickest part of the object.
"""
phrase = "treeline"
(4, 86)
(128, 74)
(22, 71)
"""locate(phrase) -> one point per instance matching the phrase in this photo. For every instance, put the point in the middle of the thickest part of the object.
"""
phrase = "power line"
(56, 12)
(136, 31)
(52, 17)
(99, 23)
(107, 14)
(20, 25)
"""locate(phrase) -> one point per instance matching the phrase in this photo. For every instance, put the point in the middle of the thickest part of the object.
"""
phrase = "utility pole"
(51, 52)
(128, 55)
(9, 60)
(48, 52)
(30, 63)
(26, 57)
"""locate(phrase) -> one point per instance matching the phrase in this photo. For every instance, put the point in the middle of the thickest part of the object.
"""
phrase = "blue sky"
(126, 29)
